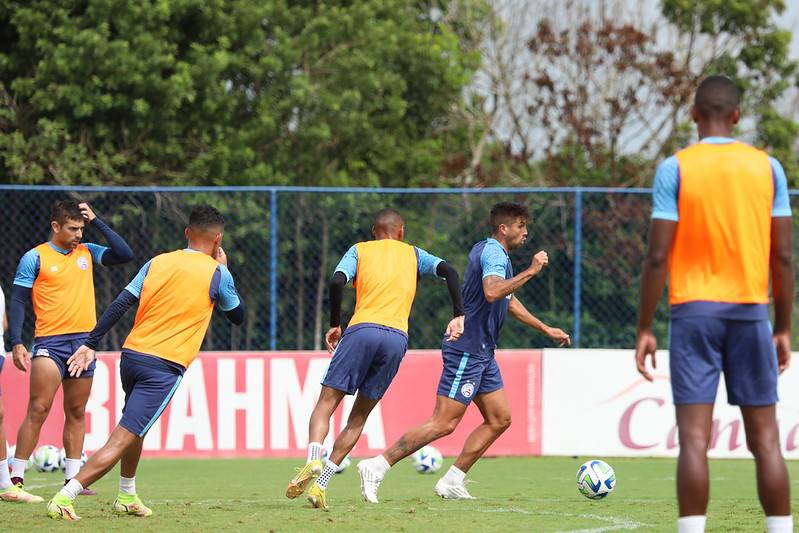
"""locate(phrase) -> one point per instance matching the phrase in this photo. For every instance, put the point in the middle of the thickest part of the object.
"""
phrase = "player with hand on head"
(58, 277)
(176, 294)
(721, 221)
(367, 355)
(470, 370)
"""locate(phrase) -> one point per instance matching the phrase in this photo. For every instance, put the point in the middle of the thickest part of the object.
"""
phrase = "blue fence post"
(273, 223)
(578, 252)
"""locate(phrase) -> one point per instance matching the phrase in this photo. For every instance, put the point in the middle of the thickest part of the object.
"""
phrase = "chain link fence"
(283, 244)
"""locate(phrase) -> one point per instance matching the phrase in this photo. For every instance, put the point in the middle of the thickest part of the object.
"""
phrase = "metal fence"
(284, 242)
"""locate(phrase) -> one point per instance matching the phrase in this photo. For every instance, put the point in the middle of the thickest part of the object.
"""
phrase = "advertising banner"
(596, 403)
(258, 404)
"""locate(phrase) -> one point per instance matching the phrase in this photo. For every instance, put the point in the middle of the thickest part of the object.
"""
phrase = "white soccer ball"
(595, 479)
(346, 462)
(45, 459)
(62, 459)
(427, 460)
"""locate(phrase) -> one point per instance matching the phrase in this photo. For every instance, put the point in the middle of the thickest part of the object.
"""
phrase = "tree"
(234, 92)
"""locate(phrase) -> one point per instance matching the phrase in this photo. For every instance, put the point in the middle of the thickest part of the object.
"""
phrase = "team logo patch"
(42, 352)
(467, 389)
(83, 263)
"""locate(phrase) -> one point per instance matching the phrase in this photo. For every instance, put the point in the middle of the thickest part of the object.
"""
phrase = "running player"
(176, 293)
(384, 272)
(58, 277)
(470, 370)
(721, 221)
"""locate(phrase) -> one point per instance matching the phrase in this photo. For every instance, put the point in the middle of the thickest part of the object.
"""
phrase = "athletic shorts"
(59, 348)
(366, 360)
(149, 383)
(701, 348)
(465, 375)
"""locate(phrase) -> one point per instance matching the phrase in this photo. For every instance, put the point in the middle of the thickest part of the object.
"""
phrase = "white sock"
(779, 524)
(691, 524)
(72, 468)
(379, 464)
(18, 467)
(5, 478)
(314, 451)
(71, 489)
(127, 485)
(330, 469)
(454, 476)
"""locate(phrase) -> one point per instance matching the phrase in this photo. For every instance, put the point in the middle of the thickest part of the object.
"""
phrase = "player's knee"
(75, 413)
(444, 426)
(38, 411)
(694, 441)
(763, 445)
(500, 423)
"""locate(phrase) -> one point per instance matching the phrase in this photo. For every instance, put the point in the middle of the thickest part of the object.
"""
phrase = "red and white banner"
(596, 403)
(259, 403)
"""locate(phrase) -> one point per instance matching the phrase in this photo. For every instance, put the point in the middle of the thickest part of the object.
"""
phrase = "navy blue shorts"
(59, 348)
(366, 359)
(465, 375)
(149, 383)
(701, 348)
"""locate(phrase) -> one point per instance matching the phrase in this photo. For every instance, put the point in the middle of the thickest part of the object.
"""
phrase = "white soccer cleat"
(452, 491)
(370, 481)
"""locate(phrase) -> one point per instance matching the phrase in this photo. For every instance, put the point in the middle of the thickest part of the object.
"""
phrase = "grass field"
(514, 494)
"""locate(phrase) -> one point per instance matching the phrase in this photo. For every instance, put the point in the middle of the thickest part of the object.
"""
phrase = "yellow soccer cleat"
(131, 505)
(60, 508)
(317, 497)
(308, 473)
(16, 494)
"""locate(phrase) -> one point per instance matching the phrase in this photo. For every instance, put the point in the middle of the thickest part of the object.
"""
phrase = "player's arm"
(496, 287)
(344, 273)
(118, 252)
(85, 354)
(518, 311)
(27, 271)
(228, 298)
(781, 264)
(430, 265)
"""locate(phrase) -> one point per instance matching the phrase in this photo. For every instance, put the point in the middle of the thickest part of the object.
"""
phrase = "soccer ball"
(427, 460)
(62, 459)
(596, 479)
(346, 462)
(45, 459)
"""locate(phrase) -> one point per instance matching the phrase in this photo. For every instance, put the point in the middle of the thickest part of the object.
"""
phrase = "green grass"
(515, 494)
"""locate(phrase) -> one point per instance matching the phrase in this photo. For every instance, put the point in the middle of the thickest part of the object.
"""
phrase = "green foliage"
(239, 92)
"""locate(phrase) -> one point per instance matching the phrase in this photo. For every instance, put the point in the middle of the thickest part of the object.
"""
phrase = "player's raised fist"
(86, 211)
(221, 256)
(540, 260)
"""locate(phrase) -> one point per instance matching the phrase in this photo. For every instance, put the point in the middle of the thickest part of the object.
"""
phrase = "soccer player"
(721, 222)
(58, 277)
(470, 370)
(367, 355)
(176, 293)
(8, 491)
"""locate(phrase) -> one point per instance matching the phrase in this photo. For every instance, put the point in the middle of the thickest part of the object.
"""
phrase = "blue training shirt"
(666, 188)
(222, 289)
(427, 263)
(28, 268)
(483, 320)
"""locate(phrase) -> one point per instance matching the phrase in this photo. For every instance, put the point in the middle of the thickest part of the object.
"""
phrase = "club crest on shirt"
(467, 389)
(83, 263)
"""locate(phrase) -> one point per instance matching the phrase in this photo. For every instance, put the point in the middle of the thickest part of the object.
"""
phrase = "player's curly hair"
(205, 217)
(64, 210)
(506, 213)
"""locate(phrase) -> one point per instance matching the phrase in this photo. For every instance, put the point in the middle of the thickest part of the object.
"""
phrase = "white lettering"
(190, 394)
(287, 398)
(251, 401)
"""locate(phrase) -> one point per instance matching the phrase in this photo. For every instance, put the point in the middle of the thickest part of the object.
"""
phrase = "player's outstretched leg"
(76, 395)
(98, 465)
(773, 484)
(318, 428)
(496, 419)
(128, 501)
(344, 443)
(445, 418)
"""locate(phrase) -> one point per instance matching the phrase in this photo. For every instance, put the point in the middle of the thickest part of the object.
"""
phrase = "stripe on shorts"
(161, 407)
(458, 375)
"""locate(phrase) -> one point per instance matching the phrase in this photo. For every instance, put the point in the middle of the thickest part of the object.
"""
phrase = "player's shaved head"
(717, 98)
(388, 223)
